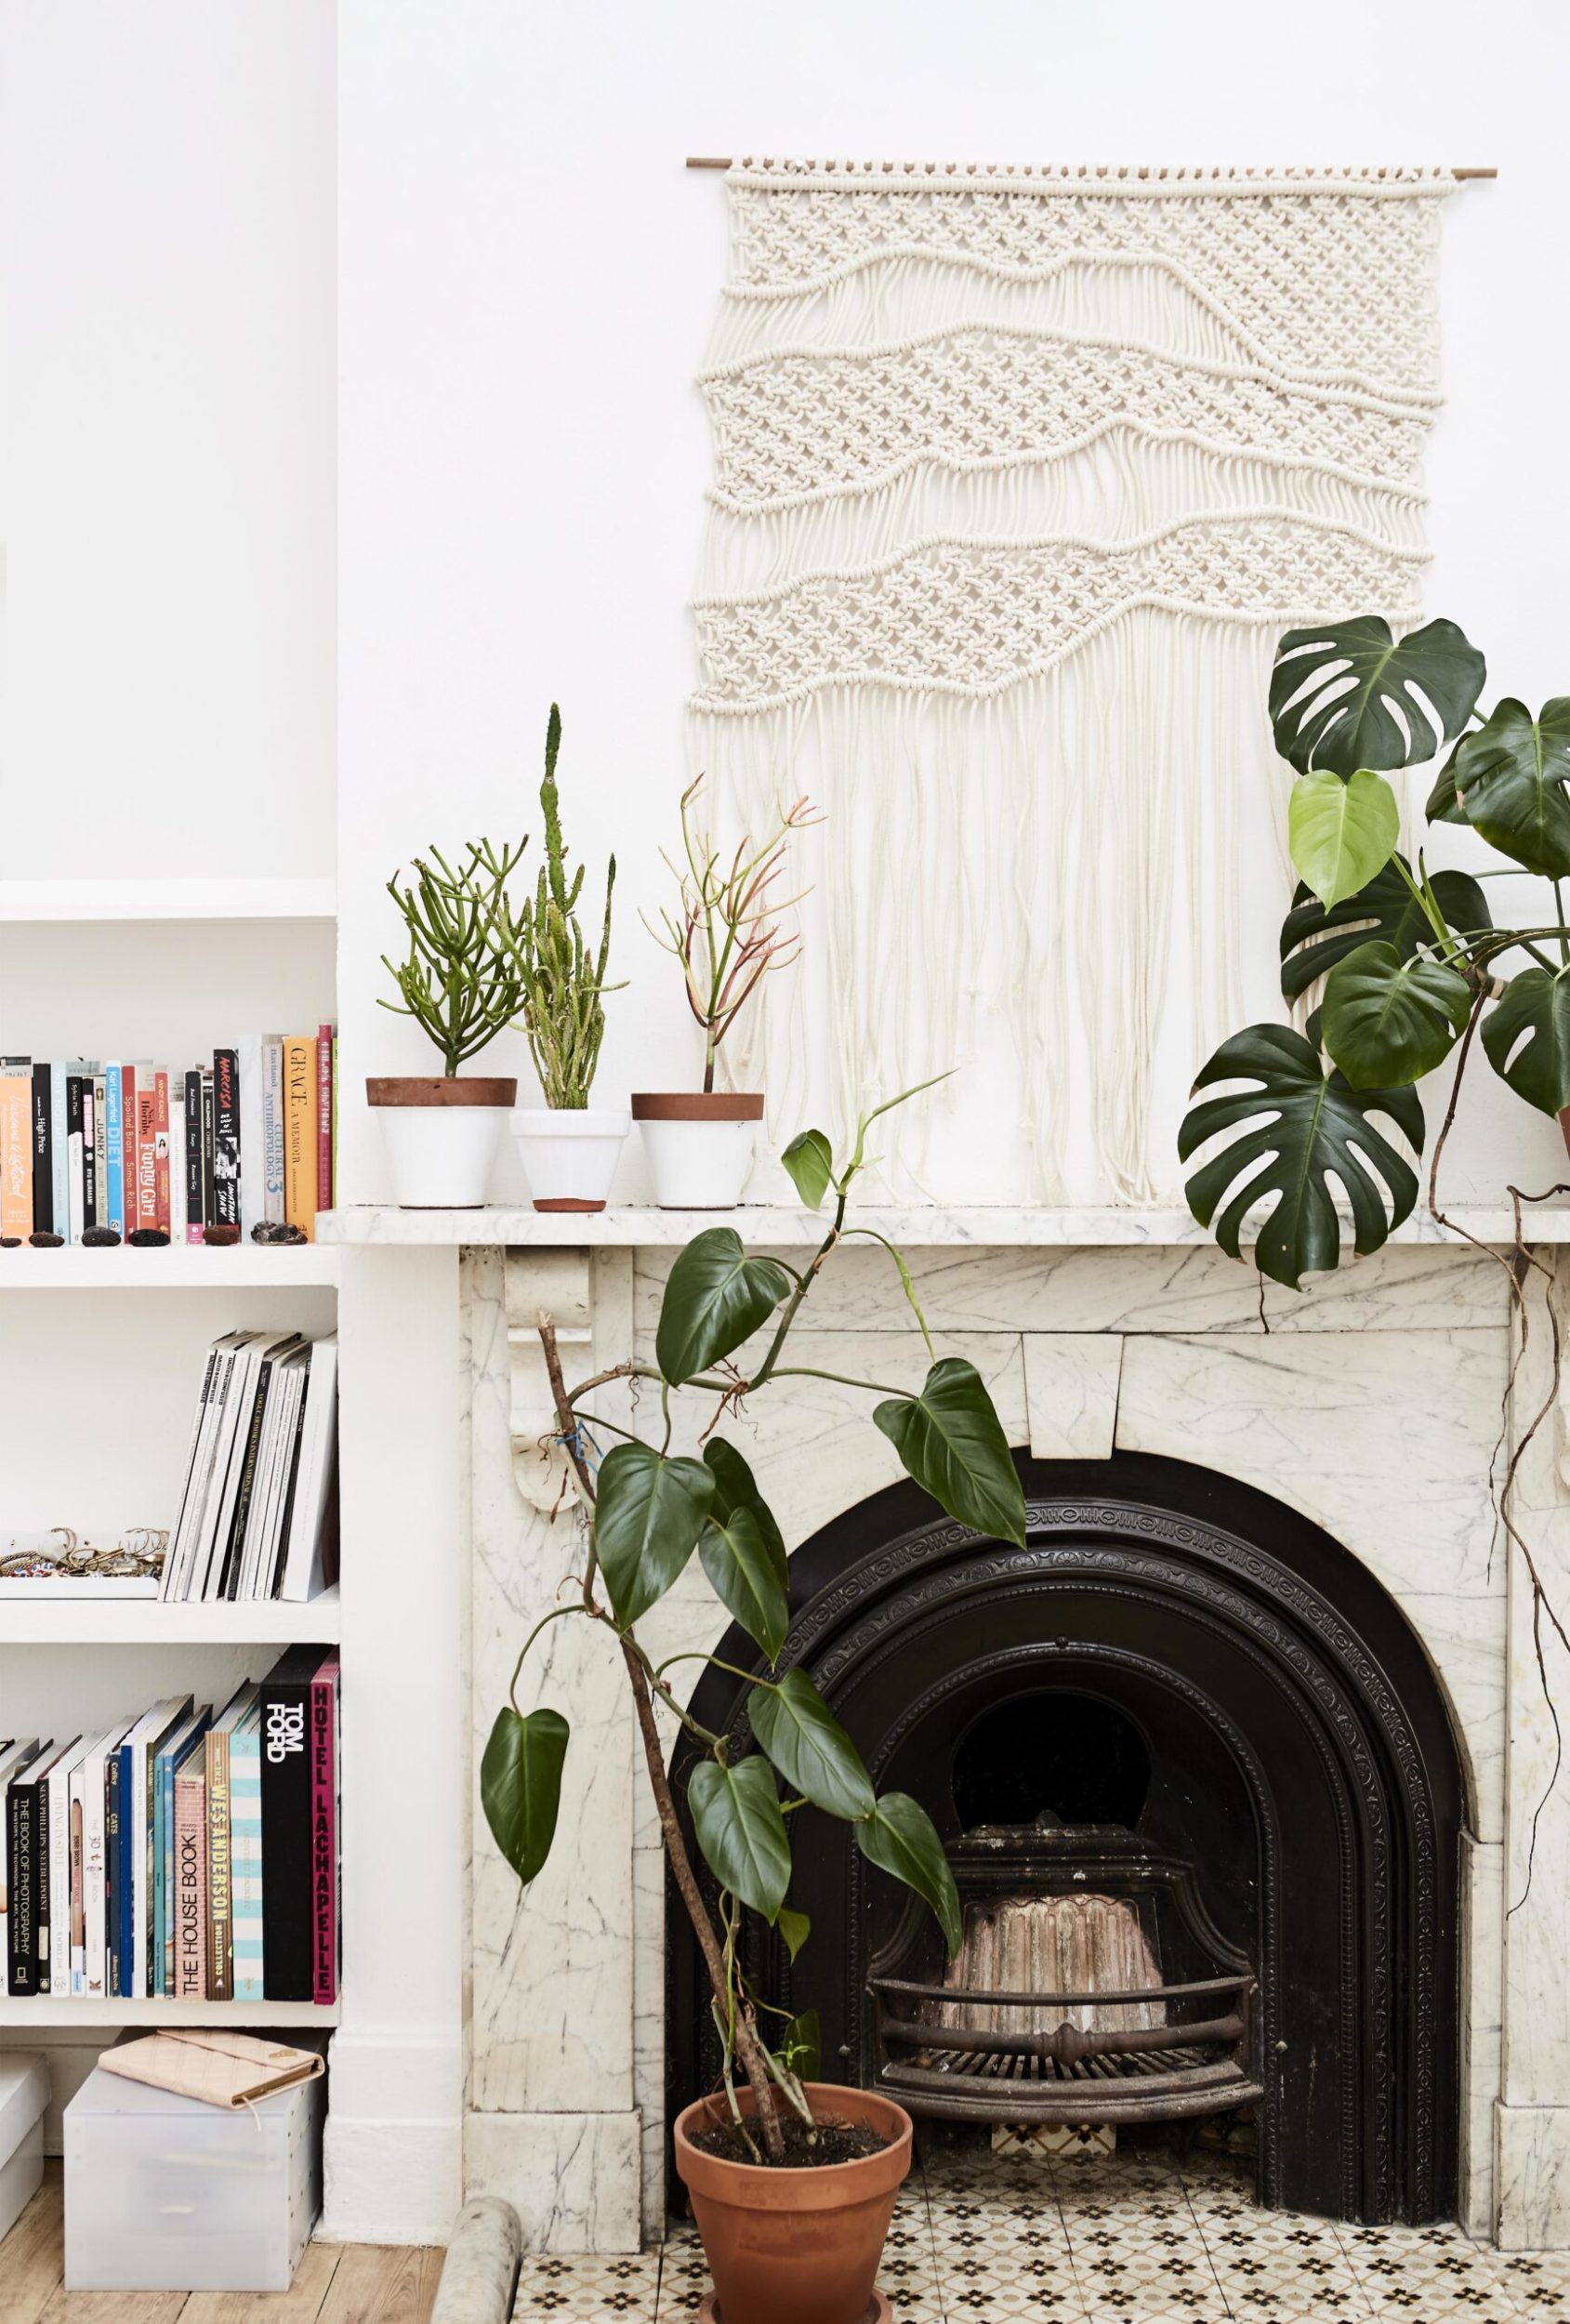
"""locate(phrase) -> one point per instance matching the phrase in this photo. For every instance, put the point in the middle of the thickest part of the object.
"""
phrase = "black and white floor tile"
(1126, 2239)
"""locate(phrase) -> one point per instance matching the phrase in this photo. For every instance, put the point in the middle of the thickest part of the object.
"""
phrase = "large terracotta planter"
(796, 2247)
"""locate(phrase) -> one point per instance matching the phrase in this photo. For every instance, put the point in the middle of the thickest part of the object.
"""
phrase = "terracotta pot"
(699, 1144)
(570, 1158)
(796, 2247)
(441, 1132)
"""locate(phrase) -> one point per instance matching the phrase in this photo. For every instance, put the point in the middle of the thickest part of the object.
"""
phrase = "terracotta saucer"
(879, 2311)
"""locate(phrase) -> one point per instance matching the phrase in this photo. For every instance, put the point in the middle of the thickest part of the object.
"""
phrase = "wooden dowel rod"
(709, 160)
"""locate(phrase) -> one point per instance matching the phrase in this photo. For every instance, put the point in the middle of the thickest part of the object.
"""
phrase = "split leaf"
(1527, 1038)
(1347, 694)
(1388, 1020)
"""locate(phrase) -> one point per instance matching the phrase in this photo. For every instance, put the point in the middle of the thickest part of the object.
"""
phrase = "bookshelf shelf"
(146, 1622)
(179, 1266)
(33, 900)
(17, 2014)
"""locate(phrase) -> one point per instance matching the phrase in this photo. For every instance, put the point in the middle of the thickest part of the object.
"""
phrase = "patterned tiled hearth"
(984, 2240)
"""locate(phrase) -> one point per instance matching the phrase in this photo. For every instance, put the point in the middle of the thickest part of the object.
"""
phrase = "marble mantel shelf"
(920, 1226)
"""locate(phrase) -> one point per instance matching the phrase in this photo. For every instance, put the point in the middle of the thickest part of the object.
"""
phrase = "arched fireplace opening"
(1183, 1746)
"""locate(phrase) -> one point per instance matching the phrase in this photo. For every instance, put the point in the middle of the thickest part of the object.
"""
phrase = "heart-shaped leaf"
(809, 1160)
(736, 1817)
(716, 1297)
(521, 1785)
(1313, 940)
(736, 1487)
(1511, 780)
(1347, 694)
(1388, 1020)
(810, 1748)
(952, 1443)
(1527, 1038)
(900, 1838)
(1305, 1128)
(795, 1927)
(1342, 833)
(748, 1579)
(649, 1514)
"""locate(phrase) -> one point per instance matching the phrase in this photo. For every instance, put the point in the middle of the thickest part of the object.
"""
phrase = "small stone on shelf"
(222, 1235)
(44, 1241)
(147, 1237)
(274, 1231)
(99, 1238)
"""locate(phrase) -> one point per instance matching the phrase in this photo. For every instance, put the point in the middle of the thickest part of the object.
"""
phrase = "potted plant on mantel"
(1413, 965)
(727, 935)
(793, 2179)
(442, 1131)
(568, 1147)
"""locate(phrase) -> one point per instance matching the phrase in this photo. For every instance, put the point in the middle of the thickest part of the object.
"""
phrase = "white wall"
(528, 279)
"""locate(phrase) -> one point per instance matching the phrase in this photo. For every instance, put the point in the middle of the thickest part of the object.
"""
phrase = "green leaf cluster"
(453, 983)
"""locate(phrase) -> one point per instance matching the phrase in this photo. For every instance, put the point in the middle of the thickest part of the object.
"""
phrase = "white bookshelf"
(29, 1621)
(36, 900)
(176, 1267)
(51, 2014)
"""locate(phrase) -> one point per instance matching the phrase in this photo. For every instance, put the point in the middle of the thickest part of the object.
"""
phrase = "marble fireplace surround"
(1372, 1404)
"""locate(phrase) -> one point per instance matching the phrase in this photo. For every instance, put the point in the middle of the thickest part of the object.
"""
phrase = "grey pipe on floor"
(480, 2273)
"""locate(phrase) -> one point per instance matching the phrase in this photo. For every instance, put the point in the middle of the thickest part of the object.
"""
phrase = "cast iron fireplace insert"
(1213, 1686)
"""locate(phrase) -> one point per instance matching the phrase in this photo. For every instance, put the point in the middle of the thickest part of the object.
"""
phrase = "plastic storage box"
(25, 2093)
(164, 2194)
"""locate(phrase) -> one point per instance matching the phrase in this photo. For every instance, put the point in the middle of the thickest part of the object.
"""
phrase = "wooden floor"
(336, 2284)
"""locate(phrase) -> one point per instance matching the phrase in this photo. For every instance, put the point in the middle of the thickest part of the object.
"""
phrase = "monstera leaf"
(1347, 695)
(1511, 780)
(1342, 834)
(1388, 1020)
(1313, 940)
(1527, 1038)
(1297, 1129)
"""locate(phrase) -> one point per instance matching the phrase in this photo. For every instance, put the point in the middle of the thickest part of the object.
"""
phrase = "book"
(280, 1447)
(176, 1161)
(191, 1878)
(129, 1158)
(147, 1152)
(76, 1176)
(95, 1860)
(21, 1873)
(16, 1147)
(247, 1935)
(160, 1153)
(237, 1564)
(172, 1755)
(311, 1516)
(114, 1147)
(253, 1142)
(300, 1135)
(90, 1189)
(13, 1757)
(229, 1460)
(60, 1158)
(220, 2069)
(220, 1964)
(100, 1147)
(43, 1150)
(272, 1128)
(195, 1215)
(227, 1157)
(54, 1936)
(323, 1117)
(209, 1162)
(82, 1778)
(284, 1702)
(133, 1864)
(325, 1697)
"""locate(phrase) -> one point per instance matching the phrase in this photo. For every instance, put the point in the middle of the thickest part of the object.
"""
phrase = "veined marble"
(1372, 1403)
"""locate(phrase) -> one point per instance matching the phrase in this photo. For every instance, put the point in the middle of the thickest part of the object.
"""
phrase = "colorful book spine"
(246, 1860)
(227, 1161)
(160, 1153)
(195, 1215)
(147, 1154)
(100, 1149)
(300, 1135)
(114, 1147)
(323, 1117)
(191, 1880)
(16, 1147)
(210, 1144)
(43, 1151)
(176, 1160)
(78, 1960)
(336, 1149)
(113, 1958)
(128, 1157)
(21, 1881)
(90, 1189)
(76, 1172)
(325, 1689)
(272, 1128)
(60, 1158)
(220, 1966)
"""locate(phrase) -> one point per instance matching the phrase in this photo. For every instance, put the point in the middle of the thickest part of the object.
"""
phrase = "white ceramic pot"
(441, 1133)
(699, 1144)
(569, 1155)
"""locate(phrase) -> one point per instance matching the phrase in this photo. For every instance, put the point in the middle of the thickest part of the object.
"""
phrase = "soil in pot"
(835, 2141)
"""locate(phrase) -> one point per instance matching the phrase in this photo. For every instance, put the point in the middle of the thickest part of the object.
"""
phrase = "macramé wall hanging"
(1018, 475)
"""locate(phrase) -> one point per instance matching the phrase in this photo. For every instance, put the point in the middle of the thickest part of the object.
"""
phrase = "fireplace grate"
(1063, 2072)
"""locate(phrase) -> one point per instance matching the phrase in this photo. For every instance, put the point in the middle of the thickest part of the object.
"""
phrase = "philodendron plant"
(648, 1512)
(1412, 963)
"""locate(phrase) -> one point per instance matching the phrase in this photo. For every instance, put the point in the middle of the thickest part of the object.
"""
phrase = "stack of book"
(182, 1855)
(259, 1508)
(148, 1154)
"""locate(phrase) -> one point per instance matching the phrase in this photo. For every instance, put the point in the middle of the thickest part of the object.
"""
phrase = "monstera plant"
(723, 1337)
(1412, 963)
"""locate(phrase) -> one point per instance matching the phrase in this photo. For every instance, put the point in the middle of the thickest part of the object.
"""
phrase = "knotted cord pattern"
(1018, 474)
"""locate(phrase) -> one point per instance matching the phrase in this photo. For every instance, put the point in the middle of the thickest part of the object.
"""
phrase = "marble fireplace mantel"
(1371, 1403)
